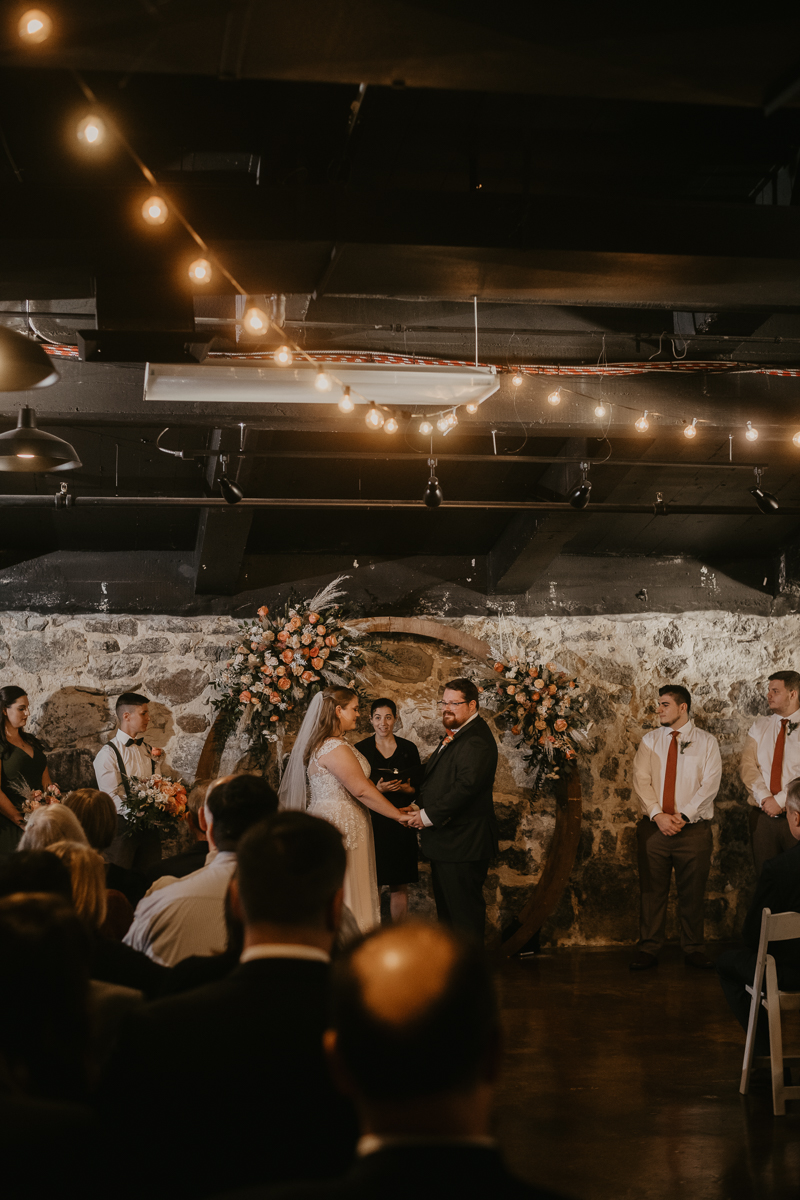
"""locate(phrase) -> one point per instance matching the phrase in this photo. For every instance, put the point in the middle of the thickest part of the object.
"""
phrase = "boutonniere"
(790, 728)
(685, 746)
(154, 753)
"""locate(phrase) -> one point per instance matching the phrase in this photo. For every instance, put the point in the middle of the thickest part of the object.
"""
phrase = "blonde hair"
(55, 823)
(87, 873)
(328, 724)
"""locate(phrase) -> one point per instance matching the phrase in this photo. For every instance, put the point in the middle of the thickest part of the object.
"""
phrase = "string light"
(472, 408)
(322, 382)
(796, 439)
(283, 356)
(255, 320)
(517, 379)
(34, 26)
(425, 427)
(390, 426)
(443, 424)
(751, 434)
(200, 271)
(600, 410)
(155, 211)
(91, 131)
(643, 424)
(691, 430)
(346, 404)
(554, 397)
(374, 417)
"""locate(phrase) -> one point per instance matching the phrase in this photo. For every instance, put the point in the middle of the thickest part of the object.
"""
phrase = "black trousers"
(140, 852)
(458, 892)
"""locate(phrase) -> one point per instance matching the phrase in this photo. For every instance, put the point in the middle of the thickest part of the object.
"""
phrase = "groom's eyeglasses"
(451, 704)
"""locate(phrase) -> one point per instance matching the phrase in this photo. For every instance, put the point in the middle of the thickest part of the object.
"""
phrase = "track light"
(642, 424)
(374, 417)
(751, 434)
(283, 356)
(255, 320)
(425, 428)
(517, 379)
(796, 439)
(346, 404)
(200, 271)
(27, 448)
(322, 382)
(579, 496)
(690, 431)
(390, 426)
(555, 397)
(155, 211)
(231, 492)
(34, 26)
(433, 495)
(91, 131)
(767, 503)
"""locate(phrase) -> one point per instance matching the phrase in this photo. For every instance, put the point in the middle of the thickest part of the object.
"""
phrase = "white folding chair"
(777, 927)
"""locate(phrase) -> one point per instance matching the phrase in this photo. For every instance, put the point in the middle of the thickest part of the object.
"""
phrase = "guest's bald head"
(414, 1012)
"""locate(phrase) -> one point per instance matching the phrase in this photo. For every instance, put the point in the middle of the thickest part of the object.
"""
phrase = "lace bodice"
(331, 800)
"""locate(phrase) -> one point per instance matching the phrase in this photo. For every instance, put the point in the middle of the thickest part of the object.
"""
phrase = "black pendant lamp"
(23, 363)
(27, 448)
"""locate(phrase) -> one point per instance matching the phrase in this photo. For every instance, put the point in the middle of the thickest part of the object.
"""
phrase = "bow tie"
(134, 742)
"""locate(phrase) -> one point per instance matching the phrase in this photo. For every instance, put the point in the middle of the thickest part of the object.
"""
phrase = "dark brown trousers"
(768, 836)
(689, 854)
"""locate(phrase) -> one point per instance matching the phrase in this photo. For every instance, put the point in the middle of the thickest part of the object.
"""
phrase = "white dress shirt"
(756, 765)
(423, 815)
(186, 918)
(136, 761)
(697, 778)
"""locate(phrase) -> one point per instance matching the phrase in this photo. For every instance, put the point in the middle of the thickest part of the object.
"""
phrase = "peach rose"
(515, 728)
(499, 668)
(533, 672)
(307, 676)
(284, 683)
(539, 685)
(274, 697)
(283, 637)
(560, 725)
(543, 740)
(313, 618)
(287, 656)
(321, 631)
(331, 640)
(511, 690)
(550, 666)
(241, 650)
(541, 725)
(155, 752)
(297, 669)
(295, 623)
(245, 697)
(280, 670)
(324, 653)
(269, 636)
(552, 689)
(254, 646)
(307, 639)
(573, 683)
(318, 663)
(263, 611)
(274, 717)
(266, 670)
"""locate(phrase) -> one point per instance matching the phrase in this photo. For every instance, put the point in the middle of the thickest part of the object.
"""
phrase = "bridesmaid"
(395, 772)
(22, 760)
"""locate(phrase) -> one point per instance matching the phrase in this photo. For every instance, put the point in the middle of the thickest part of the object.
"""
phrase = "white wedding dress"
(332, 801)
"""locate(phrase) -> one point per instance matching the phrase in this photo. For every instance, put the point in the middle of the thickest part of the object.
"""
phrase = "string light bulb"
(796, 439)
(425, 428)
(443, 424)
(642, 424)
(34, 26)
(554, 397)
(600, 409)
(374, 417)
(322, 382)
(283, 356)
(471, 408)
(200, 271)
(91, 131)
(390, 426)
(751, 434)
(517, 379)
(346, 404)
(155, 211)
(255, 320)
(690, 431)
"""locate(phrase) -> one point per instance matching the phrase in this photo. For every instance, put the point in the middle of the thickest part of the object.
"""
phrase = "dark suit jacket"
(416, 1173)
(778, 889)
(228, 1087)
(456, 793)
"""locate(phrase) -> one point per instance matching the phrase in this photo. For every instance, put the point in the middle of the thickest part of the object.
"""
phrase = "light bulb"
(346, 401)
(751, 434)
(425, 427)
(796, 439)
(517, 379)
(155, 211)
(472, 408)
(374, 417)
(691, 430)
(283, 356)
(200, 271)
(554, 397)
(91, 131)
(390, 426)
(600, 410)
(322, 382)
(443, 424)
(643, 424)
(255, 320)
(35, 26)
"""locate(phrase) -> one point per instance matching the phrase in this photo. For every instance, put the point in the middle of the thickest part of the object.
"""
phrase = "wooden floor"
(625, 1085)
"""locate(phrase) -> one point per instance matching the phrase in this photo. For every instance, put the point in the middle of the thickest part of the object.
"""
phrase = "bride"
(338, 778)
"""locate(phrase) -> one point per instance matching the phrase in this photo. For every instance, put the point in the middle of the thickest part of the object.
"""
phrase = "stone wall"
(73, 667)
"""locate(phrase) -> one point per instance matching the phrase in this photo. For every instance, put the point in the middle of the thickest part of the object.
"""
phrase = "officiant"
(125, 755)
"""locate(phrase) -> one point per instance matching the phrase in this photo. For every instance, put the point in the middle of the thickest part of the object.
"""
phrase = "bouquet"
(154, 803)
(37, 797)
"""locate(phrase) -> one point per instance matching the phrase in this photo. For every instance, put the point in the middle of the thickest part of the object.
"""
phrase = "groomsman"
(124, 755)
(771, 760)
(676, 775)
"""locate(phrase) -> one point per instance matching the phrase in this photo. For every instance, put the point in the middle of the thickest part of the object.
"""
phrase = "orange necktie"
(776, 774)
(668, 800)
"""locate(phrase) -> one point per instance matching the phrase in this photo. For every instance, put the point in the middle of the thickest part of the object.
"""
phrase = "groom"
(456, 815)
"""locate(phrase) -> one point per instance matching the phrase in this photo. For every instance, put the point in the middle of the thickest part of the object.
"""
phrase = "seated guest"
(110, 960)
(35, 871)
(188, 916)
(193, 859)
(261, 1079)
(415, 1042)
(778, 889)
(55, 823)
(101, 907)
(98, 817)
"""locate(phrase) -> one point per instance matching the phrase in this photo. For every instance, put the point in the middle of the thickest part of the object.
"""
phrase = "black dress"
(16, 770)
(395, 846)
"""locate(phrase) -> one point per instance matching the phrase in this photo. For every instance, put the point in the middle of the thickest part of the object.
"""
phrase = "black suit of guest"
(778, 889)
(456, 796)
(238, 1066)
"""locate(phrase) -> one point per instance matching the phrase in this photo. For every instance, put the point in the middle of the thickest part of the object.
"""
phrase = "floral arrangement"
(37, 797)
(154, 803)
(284, 657)
(541, 705)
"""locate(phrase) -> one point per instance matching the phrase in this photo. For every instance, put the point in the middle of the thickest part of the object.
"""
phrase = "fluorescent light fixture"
(237, 382)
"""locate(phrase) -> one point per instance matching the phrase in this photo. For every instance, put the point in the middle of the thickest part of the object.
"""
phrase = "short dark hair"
(790, 679)
(678, 692)
(289, 869)
(130, 700)
(467, 688)
(96, 812)
(441, 1049)
(35, 871)
(384, 702)
(237, 804)
(793, 795)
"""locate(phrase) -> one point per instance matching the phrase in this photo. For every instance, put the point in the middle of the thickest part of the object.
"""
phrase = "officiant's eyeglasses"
(451, 703)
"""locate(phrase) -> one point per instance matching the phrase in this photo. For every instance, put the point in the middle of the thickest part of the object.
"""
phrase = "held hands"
(412, 817)
(669, 823)
(771, 807)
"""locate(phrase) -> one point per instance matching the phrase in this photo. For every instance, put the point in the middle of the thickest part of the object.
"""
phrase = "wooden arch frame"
(548, 889)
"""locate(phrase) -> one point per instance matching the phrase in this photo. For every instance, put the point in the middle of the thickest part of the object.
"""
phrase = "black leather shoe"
(642, 961)
(698, 959)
